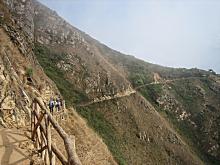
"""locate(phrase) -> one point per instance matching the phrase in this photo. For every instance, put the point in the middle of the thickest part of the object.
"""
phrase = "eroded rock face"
(22, 15)
(16, 94)
(11, 115)
(83, 64)
(21, 26)
(86, 66)
(8, 103)
(53, 29)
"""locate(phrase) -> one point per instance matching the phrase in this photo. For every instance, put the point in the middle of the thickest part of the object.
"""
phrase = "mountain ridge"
(148, 123)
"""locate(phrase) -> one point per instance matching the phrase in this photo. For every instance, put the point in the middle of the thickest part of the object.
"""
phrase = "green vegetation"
(139, 78)
(186, 93)
(152, 92)
(29, 72)
(185, 130)
(207, 84)
(97, 121)
(138, 74)
(48, 61)
(191, 136)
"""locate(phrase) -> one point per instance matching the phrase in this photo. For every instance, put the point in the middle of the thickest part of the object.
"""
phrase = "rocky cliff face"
(22, 79)
(83, 65)
(31, 22)
(18, 88)
(18, 17)
(145, 113)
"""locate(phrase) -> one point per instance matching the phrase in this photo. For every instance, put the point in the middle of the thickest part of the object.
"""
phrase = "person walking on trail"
(61, 101)
(51, 105)
(58, 104)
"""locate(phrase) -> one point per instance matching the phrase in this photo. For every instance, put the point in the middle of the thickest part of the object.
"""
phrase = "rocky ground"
(133, 112)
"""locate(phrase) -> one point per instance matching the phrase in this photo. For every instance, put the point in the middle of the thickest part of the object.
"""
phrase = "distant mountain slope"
(145, 113)
(188, 98)
(99, 73)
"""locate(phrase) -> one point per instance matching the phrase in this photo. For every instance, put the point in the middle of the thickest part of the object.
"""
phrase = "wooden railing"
(41, 123)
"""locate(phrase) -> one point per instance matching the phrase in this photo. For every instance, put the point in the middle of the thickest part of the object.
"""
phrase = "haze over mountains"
(171, 33)
(121, 110)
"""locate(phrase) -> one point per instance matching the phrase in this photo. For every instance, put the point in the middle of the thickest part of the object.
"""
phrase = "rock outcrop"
(41, 53)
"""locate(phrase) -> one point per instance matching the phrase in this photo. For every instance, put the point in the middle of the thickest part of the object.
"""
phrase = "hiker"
(58, 104)
(51, 105)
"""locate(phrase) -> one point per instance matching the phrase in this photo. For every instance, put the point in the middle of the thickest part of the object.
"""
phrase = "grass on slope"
(187, 93)
(189, 96)
(151, 92)
(96, 120)
(48, 61)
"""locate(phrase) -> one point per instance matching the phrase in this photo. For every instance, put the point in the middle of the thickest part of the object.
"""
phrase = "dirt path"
(128, 94)
(106, 99)
(164, 82)
(10, 152)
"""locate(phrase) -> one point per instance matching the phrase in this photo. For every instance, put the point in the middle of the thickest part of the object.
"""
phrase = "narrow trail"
(106, 99)
(98, 100)
(165, 82)
(155, 83)
(11, 152)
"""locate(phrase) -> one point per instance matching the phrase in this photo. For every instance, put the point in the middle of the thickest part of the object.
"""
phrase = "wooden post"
(53, 160)
(47, 161)
(43, 144)
(36, 128)
(49, 141)
(32, 120)
(37, 111)
(48, 130)
(69, 144)
(59, 154)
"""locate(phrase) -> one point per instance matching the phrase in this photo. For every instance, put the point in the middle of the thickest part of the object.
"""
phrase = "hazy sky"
(179, 33)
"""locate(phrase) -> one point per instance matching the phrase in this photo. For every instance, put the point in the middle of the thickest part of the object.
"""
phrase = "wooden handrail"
(51, 150)
(59, 154)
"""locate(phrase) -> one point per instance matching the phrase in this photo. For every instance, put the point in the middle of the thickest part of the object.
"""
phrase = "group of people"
(55, 103)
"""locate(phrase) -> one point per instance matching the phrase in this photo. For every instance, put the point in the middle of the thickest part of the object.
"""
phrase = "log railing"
(41, 123)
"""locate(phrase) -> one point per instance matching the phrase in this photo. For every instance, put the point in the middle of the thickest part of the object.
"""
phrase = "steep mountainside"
(88, 70)
(21, 80)
(145, 113)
